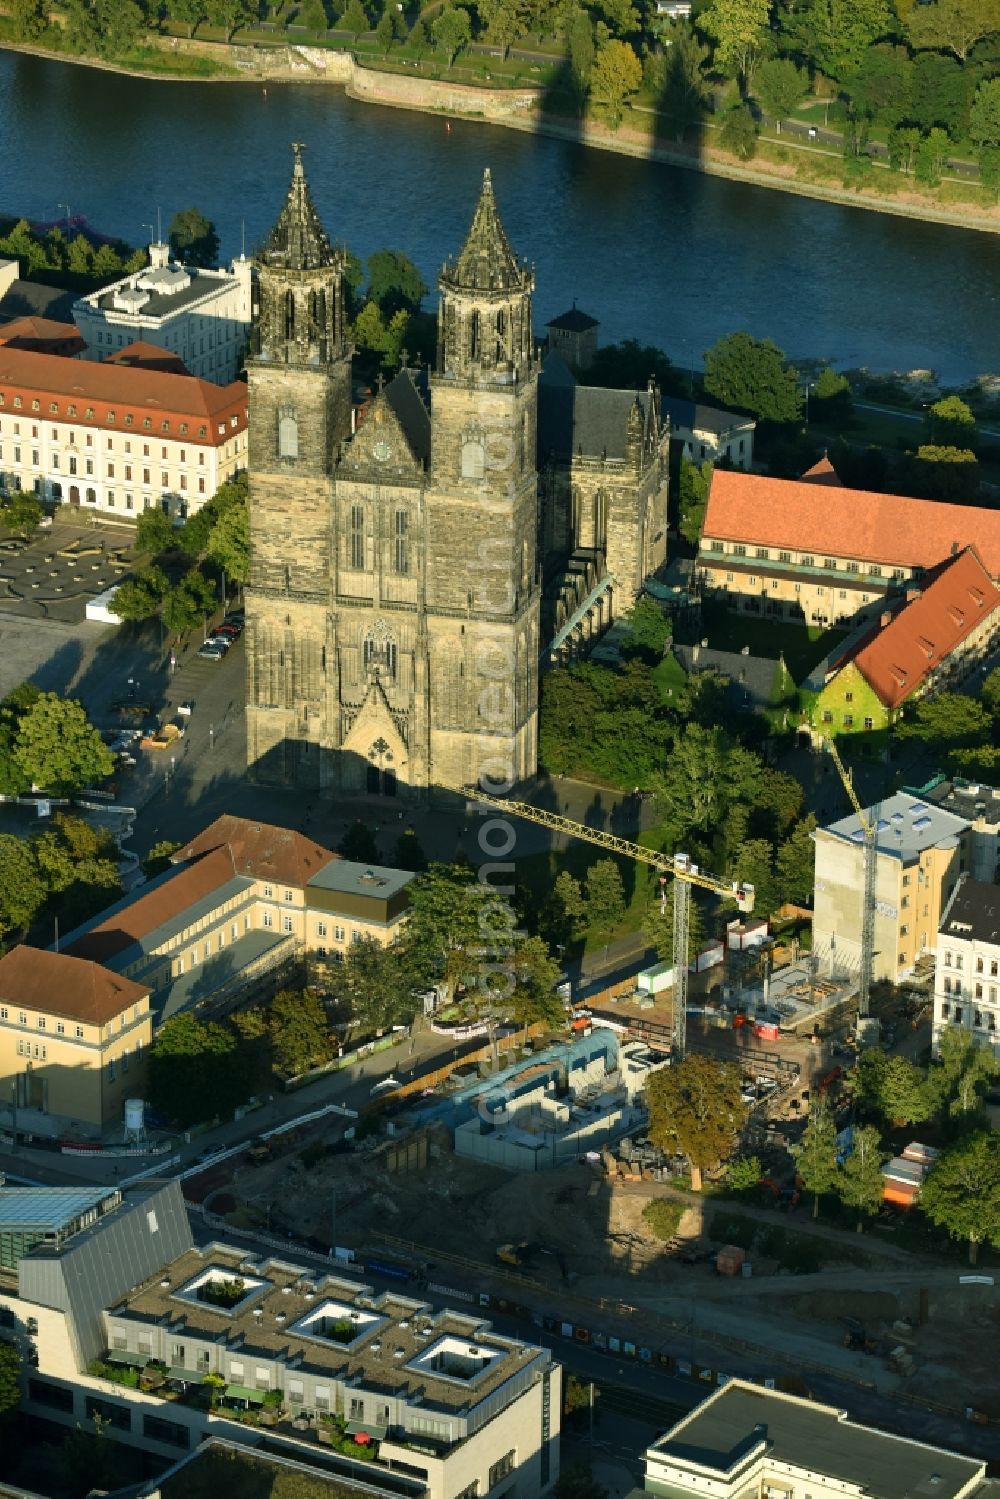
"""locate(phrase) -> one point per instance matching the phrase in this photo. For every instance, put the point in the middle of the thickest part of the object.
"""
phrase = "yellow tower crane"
(869, 821)
(684, 872)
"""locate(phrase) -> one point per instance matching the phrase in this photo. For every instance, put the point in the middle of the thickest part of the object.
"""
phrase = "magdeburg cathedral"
(409, 561)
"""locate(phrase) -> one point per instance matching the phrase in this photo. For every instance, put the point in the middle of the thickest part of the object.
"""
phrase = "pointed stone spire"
(298, 241)
(486, 262)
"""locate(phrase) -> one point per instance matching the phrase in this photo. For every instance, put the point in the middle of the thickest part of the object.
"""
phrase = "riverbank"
(520, 108)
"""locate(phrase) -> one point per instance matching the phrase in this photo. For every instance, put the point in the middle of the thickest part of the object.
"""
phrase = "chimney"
(159, 255)
(913, 592)
(885, 619)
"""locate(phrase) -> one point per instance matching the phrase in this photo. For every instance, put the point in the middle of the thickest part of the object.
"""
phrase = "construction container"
(765, 1030)
(730, 1260)
(654, 980)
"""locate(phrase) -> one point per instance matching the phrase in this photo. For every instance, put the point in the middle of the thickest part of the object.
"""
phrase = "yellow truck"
(163, 738)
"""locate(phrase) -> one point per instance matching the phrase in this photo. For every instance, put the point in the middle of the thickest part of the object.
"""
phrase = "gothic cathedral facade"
(393, 603)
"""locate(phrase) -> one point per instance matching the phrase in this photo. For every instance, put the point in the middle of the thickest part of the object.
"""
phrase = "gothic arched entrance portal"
(382, 774)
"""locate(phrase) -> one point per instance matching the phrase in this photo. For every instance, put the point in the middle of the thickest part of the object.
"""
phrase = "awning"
(377, 1433)
(185, 1376)
(243, 1392)
(129, 1360)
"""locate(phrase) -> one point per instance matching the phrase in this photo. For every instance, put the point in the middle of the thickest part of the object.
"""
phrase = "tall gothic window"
(401, 558)
(474, 335)
(357, 536)
(473, 458)
(378, 650)
(288, 434)
(501, 331)
(289, 315)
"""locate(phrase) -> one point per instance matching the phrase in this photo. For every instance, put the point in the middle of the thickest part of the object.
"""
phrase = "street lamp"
(68, 214)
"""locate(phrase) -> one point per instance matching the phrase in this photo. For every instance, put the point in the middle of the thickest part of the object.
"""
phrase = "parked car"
(211, 651)
(230, 631)
(385, 1085)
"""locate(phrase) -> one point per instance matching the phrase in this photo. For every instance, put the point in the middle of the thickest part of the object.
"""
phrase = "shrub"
(662, 1216)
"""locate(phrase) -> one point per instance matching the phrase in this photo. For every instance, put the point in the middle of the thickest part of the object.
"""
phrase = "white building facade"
(202, 316)
(967, 974)
(115, 439)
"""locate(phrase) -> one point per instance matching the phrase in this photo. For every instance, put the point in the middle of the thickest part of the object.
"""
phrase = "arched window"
(474, 336)
(288, 434)
(473, 458)
(501, 350)
(289, 315)
(378, 650)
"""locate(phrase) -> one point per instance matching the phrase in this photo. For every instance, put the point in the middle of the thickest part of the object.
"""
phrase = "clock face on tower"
(380, 451)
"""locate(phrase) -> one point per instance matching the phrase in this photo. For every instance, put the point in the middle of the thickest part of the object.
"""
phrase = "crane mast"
(684, 872)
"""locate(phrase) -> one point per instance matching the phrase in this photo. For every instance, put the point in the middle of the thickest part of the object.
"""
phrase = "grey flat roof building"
(973, 913)
(744, 1430)
(907, 825)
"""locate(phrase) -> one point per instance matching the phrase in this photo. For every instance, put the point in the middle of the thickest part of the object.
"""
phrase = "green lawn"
(670, 677)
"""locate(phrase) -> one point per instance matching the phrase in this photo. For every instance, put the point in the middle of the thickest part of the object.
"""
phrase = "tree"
(506, 22)
(939, 95)
(195, 1070)
(816, 1154)
(741, 32)
(10, 1379)
(684, 92)
(189, 601)
(658, 925)
(22, 889)
(409, 852)
(944, 473)
(753, 375)
(860, 1184)
(30, 19)
(695, 1109)
(580, 46)
(447, 928)
(230, 15)
(58, 747)
(693, 485)
(964, 1070)
(394, 282)
(648, 632)
(190, 13)
(564, 915)
(355, 19)
(881, 87)
(780, 85)
(154, 532)
(893, 1088)
(962, 1192)
(616, 74)
(990, 692)
(120, 24)
(358, 844)
(536, 974)
(953, 25)
(371, 982)
(193, 238)
(950, 422)
(417, 38)
(142, 596)
(738, 131)
(605, 896)
(22, 513)
(578, 1482)
(300, 1035)
(832, 394)
(836, 34)
(690, 787)
(384, 34)
(452, 30)
(630, 364)
(795, 863)
(950, 721)
(158, 858)
(228, 541)
(313, 15)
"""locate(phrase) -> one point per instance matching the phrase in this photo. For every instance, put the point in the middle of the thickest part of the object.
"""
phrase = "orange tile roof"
(119, 395)
(131, 921)
(260, 849)
(142, 355)
(898, 657)
(822, 472)
(891, 529)
(41, 335)
(61, 984)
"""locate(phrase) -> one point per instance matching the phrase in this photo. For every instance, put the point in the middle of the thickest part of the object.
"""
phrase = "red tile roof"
(163, 902)
(60, 984)
(837, 522)
(119, 395)
(142, 355)
(42, 335)
(898, 657)
(260, 849)
(822, 472)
